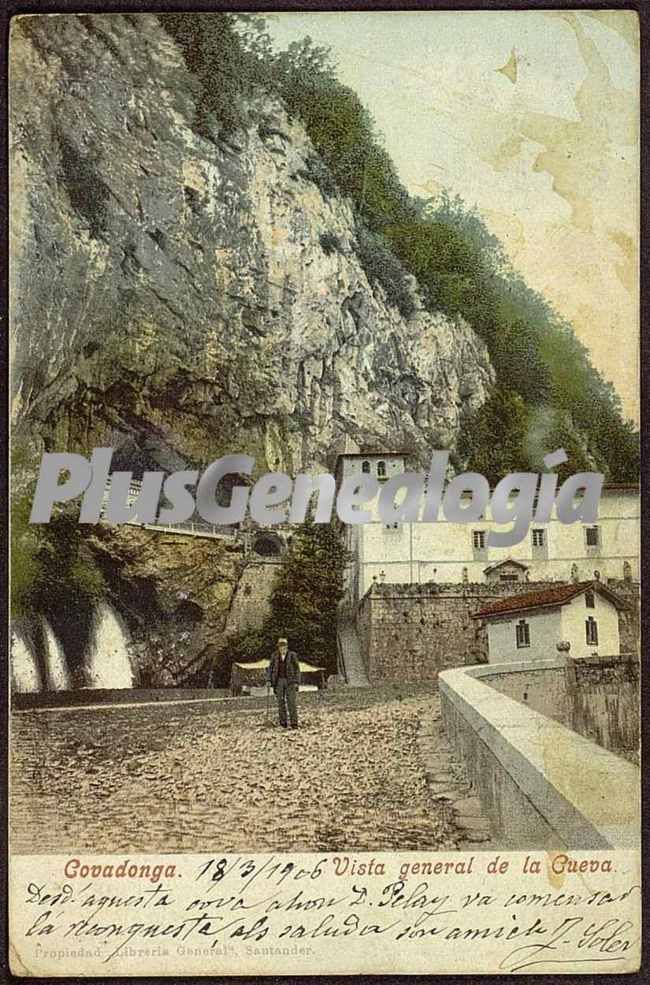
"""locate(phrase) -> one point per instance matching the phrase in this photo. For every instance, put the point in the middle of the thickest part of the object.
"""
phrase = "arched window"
(381, 470)
(365, 467)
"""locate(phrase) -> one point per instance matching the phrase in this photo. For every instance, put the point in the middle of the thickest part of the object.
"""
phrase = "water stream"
(108, 662)
(25, 675)
(56, 666)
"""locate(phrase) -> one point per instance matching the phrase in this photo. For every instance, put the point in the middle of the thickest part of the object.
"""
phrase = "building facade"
(456, 552)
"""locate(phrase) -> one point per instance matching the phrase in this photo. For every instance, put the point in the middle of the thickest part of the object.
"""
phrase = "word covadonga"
(518, 499)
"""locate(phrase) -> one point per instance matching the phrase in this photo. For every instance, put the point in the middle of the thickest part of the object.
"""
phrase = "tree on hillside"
(303, 605)
(307, 591)
(493, 439)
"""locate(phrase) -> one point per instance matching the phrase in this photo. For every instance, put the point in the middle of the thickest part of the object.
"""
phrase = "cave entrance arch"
(268, 545)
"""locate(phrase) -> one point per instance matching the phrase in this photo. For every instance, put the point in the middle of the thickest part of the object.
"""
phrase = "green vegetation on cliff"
(51, 566)
(307, 591)
(548, 392)
(308, 588)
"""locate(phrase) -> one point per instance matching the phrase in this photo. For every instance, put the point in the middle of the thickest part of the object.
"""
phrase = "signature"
(598, 941)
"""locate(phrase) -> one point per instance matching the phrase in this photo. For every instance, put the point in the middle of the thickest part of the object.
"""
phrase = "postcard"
(325, 518)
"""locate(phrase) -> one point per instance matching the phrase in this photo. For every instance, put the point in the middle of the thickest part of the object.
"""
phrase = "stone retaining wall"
(411, 632)
(596, 696)
(603, 701)
(629, 619)
(251, 601)
(541, 784)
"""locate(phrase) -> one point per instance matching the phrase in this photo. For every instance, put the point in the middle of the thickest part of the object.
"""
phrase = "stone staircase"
(350, 653)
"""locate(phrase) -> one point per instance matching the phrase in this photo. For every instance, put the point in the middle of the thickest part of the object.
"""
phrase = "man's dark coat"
(292, 667)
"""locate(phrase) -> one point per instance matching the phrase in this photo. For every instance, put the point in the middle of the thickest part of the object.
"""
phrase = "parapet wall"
(542, 688)
(596, 696)
(541, 784)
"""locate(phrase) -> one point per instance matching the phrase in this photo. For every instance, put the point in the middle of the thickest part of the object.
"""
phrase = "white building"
(529, 627)
(444, 551)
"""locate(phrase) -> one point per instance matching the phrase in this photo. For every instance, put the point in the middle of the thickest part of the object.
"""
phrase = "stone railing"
(189, 528)
(540, 784)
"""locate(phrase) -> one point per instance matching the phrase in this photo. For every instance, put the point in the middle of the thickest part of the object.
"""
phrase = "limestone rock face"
(180, 298)
(175, 592)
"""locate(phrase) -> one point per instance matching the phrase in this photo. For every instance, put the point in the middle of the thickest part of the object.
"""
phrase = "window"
(590, 601)
(592, 536)
(391, 526)
(539, 543)
(523, 633)
(365, 467)
(591, 627)
(381, 470)
(508, 577)
(479, 545)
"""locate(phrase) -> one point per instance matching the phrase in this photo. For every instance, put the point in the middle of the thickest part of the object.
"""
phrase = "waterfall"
(56, 667)
(25, 675)
(108, 662)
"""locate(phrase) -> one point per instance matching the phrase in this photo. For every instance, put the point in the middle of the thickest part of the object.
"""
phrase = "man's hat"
(282, 639)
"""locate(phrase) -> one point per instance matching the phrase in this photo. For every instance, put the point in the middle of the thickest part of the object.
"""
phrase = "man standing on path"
(284, 677)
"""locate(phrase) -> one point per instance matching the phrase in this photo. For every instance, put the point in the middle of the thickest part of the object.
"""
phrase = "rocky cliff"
(179, 297)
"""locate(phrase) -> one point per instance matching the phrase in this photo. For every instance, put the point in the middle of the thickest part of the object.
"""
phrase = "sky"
(533, 117)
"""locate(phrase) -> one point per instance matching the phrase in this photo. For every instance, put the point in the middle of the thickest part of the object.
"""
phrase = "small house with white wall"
(528, 627)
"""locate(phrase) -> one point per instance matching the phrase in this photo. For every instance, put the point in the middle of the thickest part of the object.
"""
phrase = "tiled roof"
(554, 595)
